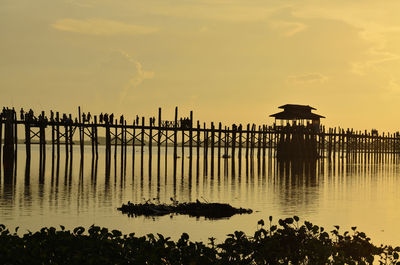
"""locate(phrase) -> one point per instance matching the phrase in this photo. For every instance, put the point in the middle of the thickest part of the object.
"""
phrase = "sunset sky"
(230, 61)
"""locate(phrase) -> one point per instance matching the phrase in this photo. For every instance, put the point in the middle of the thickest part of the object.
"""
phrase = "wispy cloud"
(137, 74)
(362, 67)
(101, 27)
(307, 78)
(218, 11)
(118, 76)
(84, 4)
(391, 91)
(377, 54)
(288, 28)
(374, 22)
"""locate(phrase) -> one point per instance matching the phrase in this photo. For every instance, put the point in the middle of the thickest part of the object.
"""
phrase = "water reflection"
(262, 165)
(89, 192)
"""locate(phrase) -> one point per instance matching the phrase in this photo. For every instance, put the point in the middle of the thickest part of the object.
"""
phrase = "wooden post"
(115, 146)
(219, 148)
(205, 151)
(258, 143)
(159, 144)
(66, 126)
(212, 148)
(8, 157)
(52, 146)
(247, 141)
(365, 146)
(122, 123)
(92, 139)
(322, 143)
(108, 147)
(15, 145)
(343, 142)
(183, 149)
(240, 149)
(58, 137)
(347, 143)
(142, 150)
(252, 140)
(96, 141)
(247, 148)
(150, 146)
(81, 132)
(233, 149)
(226, 146)
(190, 145)
(198, 151)
(27, 148)
(133, 148)
(27, 139)
(339, 142)
(125, 146)
(166, 155)
(175, 141)
(264, 139)
(71, 134)
(334, 145)
(43, 146)
(259, 135)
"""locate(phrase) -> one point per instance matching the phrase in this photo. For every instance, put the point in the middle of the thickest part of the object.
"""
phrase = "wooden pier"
(217, 142)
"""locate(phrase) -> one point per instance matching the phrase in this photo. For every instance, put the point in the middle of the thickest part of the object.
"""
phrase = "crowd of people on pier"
(86, 118)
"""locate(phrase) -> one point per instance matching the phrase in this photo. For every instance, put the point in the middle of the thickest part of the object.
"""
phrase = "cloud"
(362, 67)
(101, 27)
(307, 78)
(84, 4)
(376, 23)
(141, 75)
(288, 28)
(392, 90)
(119, 74)
(377, 53)
(215, 10)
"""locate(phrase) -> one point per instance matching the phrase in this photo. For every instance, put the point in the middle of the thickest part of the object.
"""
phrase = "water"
(345, 193)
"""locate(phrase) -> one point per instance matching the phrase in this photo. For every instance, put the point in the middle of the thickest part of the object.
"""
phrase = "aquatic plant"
(287, 242)
(194, 209)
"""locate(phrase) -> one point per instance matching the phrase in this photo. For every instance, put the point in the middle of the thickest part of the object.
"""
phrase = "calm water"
(365, 195)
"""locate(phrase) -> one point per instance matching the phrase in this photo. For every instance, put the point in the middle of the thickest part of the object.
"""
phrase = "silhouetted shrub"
(285, 243)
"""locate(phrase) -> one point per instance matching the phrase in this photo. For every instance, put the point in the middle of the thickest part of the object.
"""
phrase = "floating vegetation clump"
(288, 242)
(194, 209)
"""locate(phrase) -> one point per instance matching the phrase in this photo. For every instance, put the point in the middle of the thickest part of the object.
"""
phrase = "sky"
(233, 61)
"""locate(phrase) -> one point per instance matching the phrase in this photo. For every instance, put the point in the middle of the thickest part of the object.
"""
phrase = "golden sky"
(228, 60)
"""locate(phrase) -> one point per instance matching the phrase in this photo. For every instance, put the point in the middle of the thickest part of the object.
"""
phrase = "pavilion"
(294, 114)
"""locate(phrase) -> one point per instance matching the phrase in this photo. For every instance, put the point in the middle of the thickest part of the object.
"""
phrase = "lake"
(341, 192)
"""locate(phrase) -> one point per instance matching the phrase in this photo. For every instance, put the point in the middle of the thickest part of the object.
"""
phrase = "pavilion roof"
(296, 107)
(296, 112)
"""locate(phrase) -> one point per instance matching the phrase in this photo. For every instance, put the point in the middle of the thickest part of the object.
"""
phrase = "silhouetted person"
(22, 114)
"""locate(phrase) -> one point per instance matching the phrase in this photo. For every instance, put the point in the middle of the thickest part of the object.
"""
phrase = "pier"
(183, 137)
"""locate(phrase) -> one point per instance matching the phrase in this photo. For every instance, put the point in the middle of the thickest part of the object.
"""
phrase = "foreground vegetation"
(285, 243)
